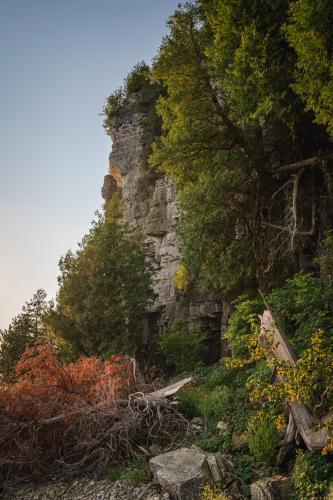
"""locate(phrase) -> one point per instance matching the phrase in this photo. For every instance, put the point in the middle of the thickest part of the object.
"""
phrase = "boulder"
(181, 473)
(272, 488)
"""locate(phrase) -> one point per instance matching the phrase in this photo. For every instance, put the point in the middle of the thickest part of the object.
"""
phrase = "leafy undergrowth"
(244, 406)
(235, 425)
(222, 399)
(311, 475)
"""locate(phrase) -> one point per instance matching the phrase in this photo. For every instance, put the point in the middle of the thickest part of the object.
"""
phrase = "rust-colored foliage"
(47, 401)
(58, 420)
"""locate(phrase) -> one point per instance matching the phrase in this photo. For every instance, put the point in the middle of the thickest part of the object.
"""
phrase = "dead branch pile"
(63, 426)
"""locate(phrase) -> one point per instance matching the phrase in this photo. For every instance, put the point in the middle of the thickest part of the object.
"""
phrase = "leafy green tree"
(309, 32)
(250, 57)
(202, 149)
(26, 329)
(230, 117)
(104, 288)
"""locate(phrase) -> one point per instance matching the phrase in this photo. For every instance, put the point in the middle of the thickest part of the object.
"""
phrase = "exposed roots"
(89, 438)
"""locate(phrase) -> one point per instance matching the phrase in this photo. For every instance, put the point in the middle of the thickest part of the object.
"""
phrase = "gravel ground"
(83, 489)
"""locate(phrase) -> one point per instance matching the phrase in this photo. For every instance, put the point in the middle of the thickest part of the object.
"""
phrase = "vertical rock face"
(150, 205)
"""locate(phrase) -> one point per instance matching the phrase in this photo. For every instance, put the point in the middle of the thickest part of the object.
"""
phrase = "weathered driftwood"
(304, 420)
(170, 390)
(288, 443)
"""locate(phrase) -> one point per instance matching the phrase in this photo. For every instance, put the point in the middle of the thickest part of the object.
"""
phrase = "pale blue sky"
(59, 59)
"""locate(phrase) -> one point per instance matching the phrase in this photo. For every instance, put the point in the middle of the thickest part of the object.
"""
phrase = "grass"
(135, 473)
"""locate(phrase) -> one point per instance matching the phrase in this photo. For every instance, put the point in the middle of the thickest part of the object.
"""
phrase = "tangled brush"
(58, 420)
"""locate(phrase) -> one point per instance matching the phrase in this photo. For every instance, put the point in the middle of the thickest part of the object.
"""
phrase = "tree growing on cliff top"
(138, 81)
(104, 288)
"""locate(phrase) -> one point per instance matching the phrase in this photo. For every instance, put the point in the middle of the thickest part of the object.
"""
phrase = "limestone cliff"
(150, 205)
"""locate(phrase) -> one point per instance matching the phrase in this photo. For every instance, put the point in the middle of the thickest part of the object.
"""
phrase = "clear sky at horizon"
(59, 60)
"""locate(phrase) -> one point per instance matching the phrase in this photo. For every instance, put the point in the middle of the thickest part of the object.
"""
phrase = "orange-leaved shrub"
(49, 415)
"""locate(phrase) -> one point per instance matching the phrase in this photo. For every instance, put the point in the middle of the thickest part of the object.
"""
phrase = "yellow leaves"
(212, 493)
(307, 380)
(280, 422)
(181, 279)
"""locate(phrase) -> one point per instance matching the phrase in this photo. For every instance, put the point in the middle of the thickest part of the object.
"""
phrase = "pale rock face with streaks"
(151, 206)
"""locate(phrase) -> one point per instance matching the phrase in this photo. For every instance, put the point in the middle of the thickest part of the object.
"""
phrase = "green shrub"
(212, 405)
(263, 437)
(136, 472)
(111, 107)
(310, 475)
(241, 324)
(215, 404)
(228, 400)
(219, 374)
(304, 305)
(184, 347)
(137, 79)
(221, 395)
(189, 402)
(212, 443)
(245, 466)
(114, 474)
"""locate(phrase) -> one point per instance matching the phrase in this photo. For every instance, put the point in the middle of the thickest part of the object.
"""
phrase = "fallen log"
(302, 416)
(170, 390)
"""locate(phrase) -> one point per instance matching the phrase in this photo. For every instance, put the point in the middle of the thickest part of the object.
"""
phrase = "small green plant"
(114, 474)
(221, 395)
(136, 472)
(263, 437)
(188, 401)
(212, 443)
(245, 465)
(183, 346)
(310, 475)
(111, 107)
(215, 405)
(241, 324)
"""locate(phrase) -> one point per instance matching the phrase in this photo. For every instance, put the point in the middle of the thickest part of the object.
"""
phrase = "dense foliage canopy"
(231, 115)
(104, 288)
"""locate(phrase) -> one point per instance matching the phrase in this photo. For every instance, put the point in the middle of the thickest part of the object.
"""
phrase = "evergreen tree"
(104, 288)
(309, 32)
(26, 329)
(230, 118)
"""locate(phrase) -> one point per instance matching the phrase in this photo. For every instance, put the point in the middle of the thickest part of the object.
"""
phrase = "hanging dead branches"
(292, 227)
